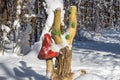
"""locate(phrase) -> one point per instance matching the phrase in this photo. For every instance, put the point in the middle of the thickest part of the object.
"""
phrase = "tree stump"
(63, 65)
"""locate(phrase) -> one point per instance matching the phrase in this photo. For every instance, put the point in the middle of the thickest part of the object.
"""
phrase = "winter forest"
(59, 39)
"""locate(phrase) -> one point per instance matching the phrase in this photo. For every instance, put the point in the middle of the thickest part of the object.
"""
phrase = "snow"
(96, 52)
(16, 23)
(16, 26)
(18, 7)
(17, 48)
(29, 16)
(5, 28)
(18, 11)
(52, 6)
(106, 36)
(89, 77)
(101, 60)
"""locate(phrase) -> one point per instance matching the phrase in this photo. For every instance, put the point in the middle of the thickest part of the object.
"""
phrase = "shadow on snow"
(26, 72)
(22, 72)
(98, 46)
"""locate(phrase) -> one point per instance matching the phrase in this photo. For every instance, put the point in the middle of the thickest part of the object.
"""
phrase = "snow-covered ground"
(98, 54)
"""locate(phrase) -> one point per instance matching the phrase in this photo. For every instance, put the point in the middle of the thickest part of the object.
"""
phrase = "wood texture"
(56, 32)
(63, 61)
(72, 24)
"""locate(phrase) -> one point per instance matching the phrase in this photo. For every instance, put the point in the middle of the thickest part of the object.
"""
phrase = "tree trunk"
(34, 29)
(3, 14)
(63, 64)
(1, 45)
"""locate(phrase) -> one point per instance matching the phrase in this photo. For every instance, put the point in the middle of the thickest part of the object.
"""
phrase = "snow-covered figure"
(24, 37)
(46, 52)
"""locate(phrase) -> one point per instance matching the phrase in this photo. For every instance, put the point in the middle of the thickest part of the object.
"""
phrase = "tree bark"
(3, 14)
(63, 62)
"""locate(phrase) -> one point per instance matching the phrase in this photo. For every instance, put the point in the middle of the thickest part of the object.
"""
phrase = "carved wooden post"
(63, 62)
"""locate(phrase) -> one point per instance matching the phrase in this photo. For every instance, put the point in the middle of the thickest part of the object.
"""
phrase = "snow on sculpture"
(64, 52)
